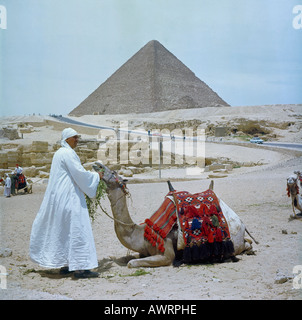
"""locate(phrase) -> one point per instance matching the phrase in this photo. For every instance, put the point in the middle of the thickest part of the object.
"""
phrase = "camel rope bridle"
(126, 192)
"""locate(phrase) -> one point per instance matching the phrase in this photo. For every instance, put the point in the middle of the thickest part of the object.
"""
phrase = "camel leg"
(151, 261)
(294, 210)
(156, 260)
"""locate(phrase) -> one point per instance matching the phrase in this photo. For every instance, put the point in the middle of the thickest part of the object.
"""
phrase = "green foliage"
(137, 273)
(93, 203)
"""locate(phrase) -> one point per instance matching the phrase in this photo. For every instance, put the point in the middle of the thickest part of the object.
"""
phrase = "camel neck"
(119, 206)
(128, 233)
(293, 190)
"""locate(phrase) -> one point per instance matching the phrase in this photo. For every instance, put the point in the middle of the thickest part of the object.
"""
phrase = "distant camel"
(293, 192)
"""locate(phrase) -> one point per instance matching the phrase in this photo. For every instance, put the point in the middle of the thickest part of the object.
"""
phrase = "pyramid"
(152, 80)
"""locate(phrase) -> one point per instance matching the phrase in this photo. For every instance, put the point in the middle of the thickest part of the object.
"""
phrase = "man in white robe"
(7, 186)
(61, 235)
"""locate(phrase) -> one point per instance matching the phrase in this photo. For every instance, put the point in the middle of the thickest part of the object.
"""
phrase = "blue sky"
(54, 53)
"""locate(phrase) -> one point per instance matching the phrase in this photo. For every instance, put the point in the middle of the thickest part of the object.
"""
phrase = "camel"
(299, 174)
(131, 235)
(293, 192)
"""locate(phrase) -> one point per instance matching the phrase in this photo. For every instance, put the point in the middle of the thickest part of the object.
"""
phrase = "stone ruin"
(10, 132)
(36, 158)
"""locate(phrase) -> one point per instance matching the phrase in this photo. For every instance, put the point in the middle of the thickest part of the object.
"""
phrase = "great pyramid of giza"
(152, 80)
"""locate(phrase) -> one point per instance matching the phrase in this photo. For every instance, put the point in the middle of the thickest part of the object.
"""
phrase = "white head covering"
(67, 133)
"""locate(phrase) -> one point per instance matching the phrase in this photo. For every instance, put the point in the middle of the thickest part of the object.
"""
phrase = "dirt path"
(258, 197)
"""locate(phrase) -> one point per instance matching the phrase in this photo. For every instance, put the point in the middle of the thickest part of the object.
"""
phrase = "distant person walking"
(7, 186)
(61, 235)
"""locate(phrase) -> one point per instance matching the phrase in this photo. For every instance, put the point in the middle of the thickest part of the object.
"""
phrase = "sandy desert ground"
(257, 194)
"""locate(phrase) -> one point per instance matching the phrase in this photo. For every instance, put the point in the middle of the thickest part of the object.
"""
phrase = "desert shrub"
(252, 128)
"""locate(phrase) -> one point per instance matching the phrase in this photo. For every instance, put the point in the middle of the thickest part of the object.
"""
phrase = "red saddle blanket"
(203, 225)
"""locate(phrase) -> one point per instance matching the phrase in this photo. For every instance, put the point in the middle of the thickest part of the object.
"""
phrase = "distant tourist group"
(14, 181)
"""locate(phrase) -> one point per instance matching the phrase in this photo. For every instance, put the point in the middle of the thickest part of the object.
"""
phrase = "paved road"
(284, 145)
(71, 121)
(274, 144)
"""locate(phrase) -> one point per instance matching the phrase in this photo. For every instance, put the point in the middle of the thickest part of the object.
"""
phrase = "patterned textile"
(20, 181)
(160, 224)
(203, 225)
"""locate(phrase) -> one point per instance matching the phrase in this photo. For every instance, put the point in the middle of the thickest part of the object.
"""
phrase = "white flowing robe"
(61, 233)
(7, 187)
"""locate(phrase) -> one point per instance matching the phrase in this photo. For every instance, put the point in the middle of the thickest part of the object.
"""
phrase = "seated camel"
(134, 236)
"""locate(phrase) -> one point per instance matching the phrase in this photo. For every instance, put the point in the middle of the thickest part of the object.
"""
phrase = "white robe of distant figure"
(61, 233)
(7, 186)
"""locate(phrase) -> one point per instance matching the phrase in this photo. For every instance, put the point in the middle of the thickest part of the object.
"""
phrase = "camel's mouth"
(98, 165)
(111, 178)
(107, 173)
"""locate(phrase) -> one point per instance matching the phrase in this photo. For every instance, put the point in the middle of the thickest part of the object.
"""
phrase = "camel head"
(111, 178)
(292, 185)
(292, 180)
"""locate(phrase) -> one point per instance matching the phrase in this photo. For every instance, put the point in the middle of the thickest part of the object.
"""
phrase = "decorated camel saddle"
(203, 232)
